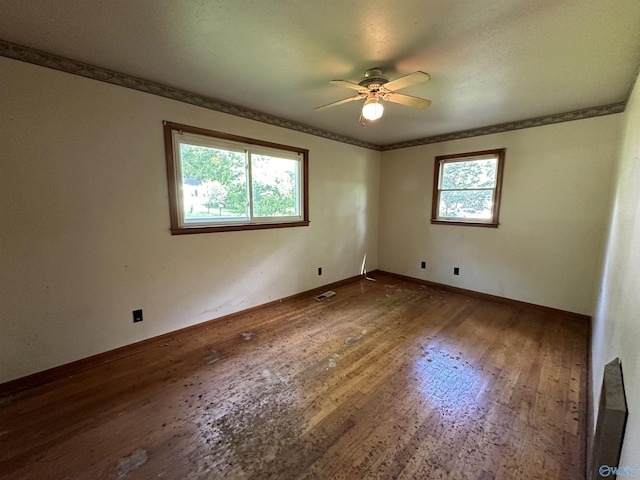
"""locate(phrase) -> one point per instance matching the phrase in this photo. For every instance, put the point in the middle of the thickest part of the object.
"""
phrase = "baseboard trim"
(43, 377)
(486, 296)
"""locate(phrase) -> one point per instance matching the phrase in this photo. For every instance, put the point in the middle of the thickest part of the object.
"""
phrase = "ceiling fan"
(375, 87)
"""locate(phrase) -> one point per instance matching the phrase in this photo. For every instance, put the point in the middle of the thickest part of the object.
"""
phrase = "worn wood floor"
(385, 380)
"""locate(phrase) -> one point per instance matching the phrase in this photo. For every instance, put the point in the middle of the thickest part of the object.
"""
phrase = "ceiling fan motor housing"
(373, 76)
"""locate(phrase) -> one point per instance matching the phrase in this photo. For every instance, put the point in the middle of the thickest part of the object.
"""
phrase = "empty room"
(320, 240)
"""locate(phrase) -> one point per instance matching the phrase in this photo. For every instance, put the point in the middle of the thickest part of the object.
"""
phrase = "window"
(466, 188)
(221, 182)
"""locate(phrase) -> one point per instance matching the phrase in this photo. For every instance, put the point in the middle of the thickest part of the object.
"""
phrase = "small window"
(466, 188)
(221, 182)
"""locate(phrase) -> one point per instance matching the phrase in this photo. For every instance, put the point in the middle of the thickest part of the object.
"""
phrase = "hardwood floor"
(387, 379)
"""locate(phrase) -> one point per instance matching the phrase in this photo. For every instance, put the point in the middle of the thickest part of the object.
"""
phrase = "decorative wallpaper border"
(56, 62)
(507, 127)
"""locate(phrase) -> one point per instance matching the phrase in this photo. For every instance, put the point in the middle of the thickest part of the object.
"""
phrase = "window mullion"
(249, 185)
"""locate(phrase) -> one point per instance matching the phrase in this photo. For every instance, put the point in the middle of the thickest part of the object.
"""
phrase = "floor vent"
(325, 295)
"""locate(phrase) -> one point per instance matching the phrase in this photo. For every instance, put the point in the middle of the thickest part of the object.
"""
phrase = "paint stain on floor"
(332, 360)
(213, 357)
(131, 462)
(247, 335)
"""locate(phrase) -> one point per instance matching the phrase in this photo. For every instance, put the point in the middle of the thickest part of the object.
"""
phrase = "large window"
(467, 187)
(220, 182)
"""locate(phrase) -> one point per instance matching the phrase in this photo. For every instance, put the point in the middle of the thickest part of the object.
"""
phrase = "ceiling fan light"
(372, 109)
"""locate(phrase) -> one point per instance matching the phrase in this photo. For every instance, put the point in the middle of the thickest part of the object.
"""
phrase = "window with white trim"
(221, 182)
(467, 188)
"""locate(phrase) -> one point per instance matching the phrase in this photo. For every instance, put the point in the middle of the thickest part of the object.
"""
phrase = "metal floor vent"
(325, 295)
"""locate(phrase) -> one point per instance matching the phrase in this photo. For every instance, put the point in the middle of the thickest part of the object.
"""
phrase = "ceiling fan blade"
(351, 85)
(407, 100)
(407, 81)
(340, 102)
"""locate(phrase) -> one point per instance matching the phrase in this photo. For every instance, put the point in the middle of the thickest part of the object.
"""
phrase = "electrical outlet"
(423, 265)
(456, 270)
(137, 316)
(319, 270)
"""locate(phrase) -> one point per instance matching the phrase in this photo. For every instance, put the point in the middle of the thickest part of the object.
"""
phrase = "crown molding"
(63, 64)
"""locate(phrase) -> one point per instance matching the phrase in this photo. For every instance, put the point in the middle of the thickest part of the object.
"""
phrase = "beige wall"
(547, 249)
(84, 224)
(616, 324)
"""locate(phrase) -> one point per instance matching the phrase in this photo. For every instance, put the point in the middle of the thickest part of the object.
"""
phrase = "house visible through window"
(467, 187)
(221, 182)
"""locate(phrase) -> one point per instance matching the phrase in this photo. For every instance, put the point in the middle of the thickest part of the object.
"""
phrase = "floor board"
(387, 379)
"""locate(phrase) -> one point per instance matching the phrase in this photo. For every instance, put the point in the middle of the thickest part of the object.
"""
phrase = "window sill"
(235, 228)
(466, 224)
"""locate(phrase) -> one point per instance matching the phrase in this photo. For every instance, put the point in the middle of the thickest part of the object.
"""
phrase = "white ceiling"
(491, 61)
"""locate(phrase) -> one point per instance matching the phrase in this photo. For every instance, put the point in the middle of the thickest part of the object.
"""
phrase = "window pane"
(214, 184)
(275, 186)
(475, 204)
(211, 182)
(469, 174)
